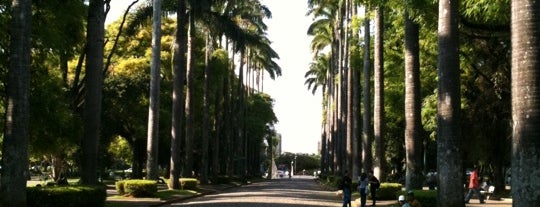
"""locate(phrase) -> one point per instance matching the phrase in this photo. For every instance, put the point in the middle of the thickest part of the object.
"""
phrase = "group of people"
(365, 183)
(371, 182)
(368, 183)
(410, 202)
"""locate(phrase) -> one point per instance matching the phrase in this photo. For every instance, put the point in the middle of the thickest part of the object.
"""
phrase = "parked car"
(281, 173)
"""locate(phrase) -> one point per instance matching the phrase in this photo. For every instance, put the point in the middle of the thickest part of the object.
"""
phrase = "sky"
(299, 111)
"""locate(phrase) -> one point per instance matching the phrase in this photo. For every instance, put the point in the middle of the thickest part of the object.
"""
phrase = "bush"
(67, 196)
(189, 183)
(120, 187)
(389, 191)
(139, 188)
(221, 180)
(332, 180)
(425, 197)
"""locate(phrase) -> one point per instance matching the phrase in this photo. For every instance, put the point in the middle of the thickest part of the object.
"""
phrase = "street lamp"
(295, 161)
(292, 168)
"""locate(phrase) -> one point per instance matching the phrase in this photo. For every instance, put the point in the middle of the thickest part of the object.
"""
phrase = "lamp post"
(292, 168)
(295, 161)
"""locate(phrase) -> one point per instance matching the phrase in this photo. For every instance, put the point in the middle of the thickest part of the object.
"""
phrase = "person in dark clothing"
(374, 185)
(345, 185)
(363, 183)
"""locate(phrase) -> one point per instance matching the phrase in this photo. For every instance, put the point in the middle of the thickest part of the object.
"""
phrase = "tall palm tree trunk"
(16, 133)
(449, 167)
(206, 113)
(153, 110)
(178, 94)
(190, 125)
(378, 105)
(94, 83)
(241, 141)
(368, 130)
(525, 102)
(413, 123)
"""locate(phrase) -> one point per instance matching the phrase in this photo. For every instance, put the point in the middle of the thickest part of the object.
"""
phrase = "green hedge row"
(189, 183)
(67, 196)
(136, 188)
(425, 197)
(389, 191)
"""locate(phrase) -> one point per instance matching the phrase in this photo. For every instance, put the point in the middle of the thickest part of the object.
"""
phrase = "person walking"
(374, 185)
(345, 185)
(474, 186)
(363, 188)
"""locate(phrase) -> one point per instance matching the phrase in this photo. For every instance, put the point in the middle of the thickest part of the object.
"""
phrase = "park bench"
(487, 193)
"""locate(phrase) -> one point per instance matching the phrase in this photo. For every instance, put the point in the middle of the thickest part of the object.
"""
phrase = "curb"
(193, 196)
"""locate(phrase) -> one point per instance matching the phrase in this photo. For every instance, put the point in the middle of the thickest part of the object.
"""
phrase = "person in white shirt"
(363, 182)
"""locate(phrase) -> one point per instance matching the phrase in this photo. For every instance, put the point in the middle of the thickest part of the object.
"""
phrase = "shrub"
(425, 197)
(140, 188)
(189, 183)
(221, 180)
(120, 187)
(333, 181)
(67, 196)
(389, 191)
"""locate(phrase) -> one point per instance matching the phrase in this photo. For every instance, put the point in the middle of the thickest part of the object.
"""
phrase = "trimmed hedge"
(67, 196)
(137, 188)
(425, 197)
(119, 185)
(189, 183)
(389, 191)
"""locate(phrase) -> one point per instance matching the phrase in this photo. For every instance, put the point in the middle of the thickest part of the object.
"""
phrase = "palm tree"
(94, 81)
(316, 77)
(178, 94)
(367, 133)
(153, 110)
(324, 32)
(525, 102)
(378, 96)
(16, 133)
(190, 131)
(206, 113)
(449, 167)
(413, 122)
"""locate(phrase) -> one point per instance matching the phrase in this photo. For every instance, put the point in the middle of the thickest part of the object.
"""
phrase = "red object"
(473, 179)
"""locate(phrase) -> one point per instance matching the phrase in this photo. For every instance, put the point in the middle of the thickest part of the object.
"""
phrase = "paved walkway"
(297, 192)
(300, 189)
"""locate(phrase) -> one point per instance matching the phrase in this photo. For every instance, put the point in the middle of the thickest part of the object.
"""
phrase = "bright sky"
(298, 110)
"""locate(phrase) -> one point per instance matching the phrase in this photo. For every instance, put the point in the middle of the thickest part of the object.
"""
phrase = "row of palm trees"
(240, 23)
(335, 69)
